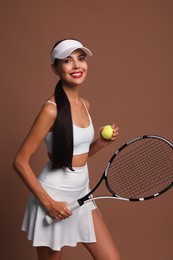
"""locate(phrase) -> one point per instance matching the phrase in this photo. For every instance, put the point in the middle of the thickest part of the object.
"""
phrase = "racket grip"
(49, 219)
(72, 206)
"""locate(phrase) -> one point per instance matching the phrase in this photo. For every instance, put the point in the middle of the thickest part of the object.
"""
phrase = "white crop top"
(82, 137)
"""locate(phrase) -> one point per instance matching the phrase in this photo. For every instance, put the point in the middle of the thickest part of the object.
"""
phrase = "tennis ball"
(107, 131)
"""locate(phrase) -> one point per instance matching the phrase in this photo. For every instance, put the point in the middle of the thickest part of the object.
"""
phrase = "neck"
(72, 93)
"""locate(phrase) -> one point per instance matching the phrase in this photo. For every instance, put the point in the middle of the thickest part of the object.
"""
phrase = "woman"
(66, 126)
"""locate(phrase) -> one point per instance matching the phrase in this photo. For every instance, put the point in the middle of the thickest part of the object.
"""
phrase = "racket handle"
(72, 206)
(49, 219)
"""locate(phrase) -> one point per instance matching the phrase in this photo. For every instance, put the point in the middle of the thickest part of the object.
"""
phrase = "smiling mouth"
(77, 74)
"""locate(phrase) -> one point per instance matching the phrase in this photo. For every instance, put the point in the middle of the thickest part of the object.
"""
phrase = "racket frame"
(119, 150)
(87, 198)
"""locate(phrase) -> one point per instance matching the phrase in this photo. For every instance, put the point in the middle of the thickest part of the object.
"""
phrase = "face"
(73, 69)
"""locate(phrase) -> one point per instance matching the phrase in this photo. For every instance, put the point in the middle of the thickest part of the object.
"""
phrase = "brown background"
(129, 82)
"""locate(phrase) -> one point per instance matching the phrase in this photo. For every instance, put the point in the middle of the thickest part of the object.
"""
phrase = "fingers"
(106, 141)
(63, 213)
(115, 131)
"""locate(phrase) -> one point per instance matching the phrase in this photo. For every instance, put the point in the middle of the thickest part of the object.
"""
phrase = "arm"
(100, 142)
(40, 128)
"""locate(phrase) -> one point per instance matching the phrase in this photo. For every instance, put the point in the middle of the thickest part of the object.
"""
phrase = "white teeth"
(76, 74)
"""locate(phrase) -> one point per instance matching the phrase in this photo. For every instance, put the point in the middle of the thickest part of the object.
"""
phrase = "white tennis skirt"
(62, 185)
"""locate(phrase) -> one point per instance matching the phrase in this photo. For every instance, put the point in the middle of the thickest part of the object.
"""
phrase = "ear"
(54, 69)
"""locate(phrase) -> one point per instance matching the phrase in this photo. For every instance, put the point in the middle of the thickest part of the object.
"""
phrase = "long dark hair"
(62, 149)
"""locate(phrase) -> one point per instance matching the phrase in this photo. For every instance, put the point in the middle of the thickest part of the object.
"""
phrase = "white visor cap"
(66, 47)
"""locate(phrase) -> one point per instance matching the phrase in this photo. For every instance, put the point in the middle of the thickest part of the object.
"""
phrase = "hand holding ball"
(107, 132)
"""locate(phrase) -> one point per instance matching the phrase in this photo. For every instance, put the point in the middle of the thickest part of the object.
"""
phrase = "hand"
(114, 134)
(115, 131)
(59, 210)
(101, 142)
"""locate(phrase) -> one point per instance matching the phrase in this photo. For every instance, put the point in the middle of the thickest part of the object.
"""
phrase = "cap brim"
(66, 53)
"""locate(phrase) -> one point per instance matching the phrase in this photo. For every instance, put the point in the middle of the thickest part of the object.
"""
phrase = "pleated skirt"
(62, 185)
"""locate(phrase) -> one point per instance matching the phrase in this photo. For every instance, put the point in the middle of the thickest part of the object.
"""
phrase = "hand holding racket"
(141, 169)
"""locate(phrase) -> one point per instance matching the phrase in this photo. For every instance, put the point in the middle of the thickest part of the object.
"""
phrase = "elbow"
(18, 164)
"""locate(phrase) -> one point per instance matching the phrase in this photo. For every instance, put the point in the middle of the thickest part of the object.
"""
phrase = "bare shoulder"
(49, 109)
(44, 120)
(86, 102)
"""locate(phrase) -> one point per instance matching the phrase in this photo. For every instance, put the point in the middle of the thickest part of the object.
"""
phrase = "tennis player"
(64, 123)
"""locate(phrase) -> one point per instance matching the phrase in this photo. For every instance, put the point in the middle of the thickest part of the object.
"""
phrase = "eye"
(66, 60)
(82, 58)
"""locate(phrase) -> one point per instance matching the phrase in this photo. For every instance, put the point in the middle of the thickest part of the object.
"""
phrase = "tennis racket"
(140, 170)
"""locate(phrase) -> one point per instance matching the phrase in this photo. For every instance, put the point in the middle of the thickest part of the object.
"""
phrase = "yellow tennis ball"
(107, 131)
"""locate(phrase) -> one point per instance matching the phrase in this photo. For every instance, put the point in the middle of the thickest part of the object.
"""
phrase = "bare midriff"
(77, 161)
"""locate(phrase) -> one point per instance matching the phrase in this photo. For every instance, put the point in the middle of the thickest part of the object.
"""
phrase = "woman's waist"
(80, 160)
(65, 179)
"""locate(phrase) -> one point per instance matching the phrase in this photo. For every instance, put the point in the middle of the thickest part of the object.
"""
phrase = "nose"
(76, 64)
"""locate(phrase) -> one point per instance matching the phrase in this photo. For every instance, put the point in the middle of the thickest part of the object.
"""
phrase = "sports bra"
(82, 137)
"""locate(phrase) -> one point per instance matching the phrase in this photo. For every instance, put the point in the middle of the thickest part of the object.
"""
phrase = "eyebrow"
(80, 55)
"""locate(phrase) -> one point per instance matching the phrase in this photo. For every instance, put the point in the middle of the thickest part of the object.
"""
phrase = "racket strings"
(149, 163)
(154, 168)
(141, 169)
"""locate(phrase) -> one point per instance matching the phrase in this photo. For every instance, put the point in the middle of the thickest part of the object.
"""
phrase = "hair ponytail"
(63, 131)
